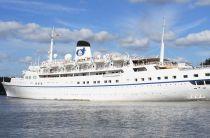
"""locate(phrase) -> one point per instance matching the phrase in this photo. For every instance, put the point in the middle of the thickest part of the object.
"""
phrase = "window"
(117, 81)
(185, 76)
(149, 78)
(207, 74)
(83, 82)
(94, 82)
(207, 81)
(110, 81)
(98, 81)
(193, 82)
(29, 77)
(87, 82)
(159, 78)
(105, 81)
(77, 82)
(195, 75)
(136, 79)
(174, 77)
(142, 79)
(139, 69)
(200, 82)
(166, 77)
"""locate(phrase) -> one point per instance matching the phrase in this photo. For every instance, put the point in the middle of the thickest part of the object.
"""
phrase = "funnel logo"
(80, 52)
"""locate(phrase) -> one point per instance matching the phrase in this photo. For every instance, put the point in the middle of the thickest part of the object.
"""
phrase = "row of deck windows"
(82, 74)
(174, 77)
(98, 82)
(159, 78)
(200, 82)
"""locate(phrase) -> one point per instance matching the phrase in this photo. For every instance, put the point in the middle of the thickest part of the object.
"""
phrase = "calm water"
(46, 118)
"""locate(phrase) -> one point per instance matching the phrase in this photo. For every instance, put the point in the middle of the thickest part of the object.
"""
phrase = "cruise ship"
(111, 78)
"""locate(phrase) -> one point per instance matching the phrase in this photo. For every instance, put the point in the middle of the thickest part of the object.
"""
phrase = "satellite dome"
(68, 57)
(55, 56)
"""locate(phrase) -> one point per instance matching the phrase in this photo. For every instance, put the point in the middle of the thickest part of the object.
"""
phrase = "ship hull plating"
(178, 91)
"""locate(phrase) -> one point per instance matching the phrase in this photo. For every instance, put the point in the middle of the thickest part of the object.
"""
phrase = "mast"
(162, 44)
(51, 44)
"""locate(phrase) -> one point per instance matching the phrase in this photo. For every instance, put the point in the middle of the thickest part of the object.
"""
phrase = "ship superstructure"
(111, 78)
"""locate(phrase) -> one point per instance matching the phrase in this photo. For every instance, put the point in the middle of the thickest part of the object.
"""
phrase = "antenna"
(51, 44)
(162, 44)
(38, 60)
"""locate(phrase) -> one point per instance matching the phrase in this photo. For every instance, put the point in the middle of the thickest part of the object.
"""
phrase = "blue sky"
(112, 26)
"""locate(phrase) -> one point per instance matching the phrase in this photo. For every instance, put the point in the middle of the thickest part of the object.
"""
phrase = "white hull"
(175, 91)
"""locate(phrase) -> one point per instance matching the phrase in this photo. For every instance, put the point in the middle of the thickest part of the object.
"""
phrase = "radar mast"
(51, 44)
(162, 44)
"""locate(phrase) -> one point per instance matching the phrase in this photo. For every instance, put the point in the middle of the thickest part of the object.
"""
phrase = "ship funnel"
(83, 51)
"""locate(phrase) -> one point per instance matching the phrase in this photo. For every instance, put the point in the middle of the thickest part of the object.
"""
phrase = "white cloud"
(190, 25)
(134, 43)
(202, 2)
(159, 1)
(36, 33)
(26, 59)
(36, 6)
(149, 25)
(193, 2)
(180, 59)
(202, 38)
(3, 57)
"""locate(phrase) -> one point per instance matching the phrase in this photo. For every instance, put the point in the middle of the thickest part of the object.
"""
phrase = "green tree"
(206, 62)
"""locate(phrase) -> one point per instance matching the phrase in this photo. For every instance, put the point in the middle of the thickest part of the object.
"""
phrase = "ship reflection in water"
(46, 118)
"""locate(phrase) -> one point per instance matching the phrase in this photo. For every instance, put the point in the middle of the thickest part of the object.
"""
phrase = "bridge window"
(78, 82)
(94, 82)
(142, 79)
(98, 81)
(139, 69)
(159, 78)
(200, 82)
(185, 76)
(83, 82)
(105, 81)
(117, 81)
(207, 81)
(63, 75)
(87, 82)
(150, 78)
(166, 77)
(174, 77)
(136, 79)
(193, 82)
(110, 81)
